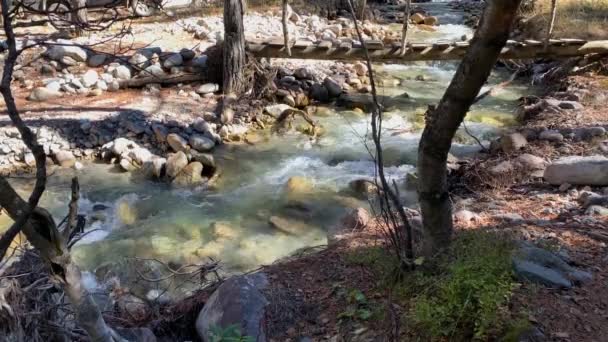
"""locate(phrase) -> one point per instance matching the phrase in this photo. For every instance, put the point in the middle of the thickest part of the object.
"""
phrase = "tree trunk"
(361, 5)
(234, 47)
(443, 121)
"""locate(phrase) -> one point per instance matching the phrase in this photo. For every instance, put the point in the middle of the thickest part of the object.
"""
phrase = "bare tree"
(443, 121)
(398, 230)
(36, 223)
(234, 47)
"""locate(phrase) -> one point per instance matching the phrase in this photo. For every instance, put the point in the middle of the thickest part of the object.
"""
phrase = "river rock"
(122, 72)
(591, 170)
(173, 60)
(66, 48)
(417, 18)
(360, 69)
(431, 21)
(201, 143)
(298, 186)
(41, 94)
(207, 88)
(160, 132)
(363, 188)
(90, 78)
(543, 267)
(190, 175)
(65, 158)
(238, 301)
(513, 142)
(204, 158)
(276, 110)
(96, 60)
(319, 93)
(551, 135)
(175, 163)
(290, 226)
(356, 219)
(333, 87)
(303, 74)
(127, 165)
(177, 143)
(530, 162)
(187, 54)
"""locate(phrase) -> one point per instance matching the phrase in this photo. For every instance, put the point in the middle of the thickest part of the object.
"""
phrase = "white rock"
(122, 72)
(90, 78)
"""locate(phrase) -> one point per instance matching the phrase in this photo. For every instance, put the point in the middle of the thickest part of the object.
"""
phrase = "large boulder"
(175, 163)
(238, 301)
(65, 158)
(591, 170)
(540, 266)
(66, 48)
(190, 175)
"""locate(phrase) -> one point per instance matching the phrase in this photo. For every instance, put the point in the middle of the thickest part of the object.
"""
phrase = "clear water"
(152, 220)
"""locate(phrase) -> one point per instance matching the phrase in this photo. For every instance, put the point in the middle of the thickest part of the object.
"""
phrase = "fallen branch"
(163, 80)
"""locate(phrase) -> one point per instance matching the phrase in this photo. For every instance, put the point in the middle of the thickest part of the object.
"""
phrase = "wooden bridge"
(440, 50)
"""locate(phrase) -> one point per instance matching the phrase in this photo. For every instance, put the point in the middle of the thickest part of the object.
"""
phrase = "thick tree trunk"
(443, 121)
(234, 47)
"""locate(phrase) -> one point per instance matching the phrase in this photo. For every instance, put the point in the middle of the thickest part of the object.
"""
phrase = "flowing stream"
(230, 223)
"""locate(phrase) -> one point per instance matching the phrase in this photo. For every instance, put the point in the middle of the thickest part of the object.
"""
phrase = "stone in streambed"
(175, 163)
(190, 175)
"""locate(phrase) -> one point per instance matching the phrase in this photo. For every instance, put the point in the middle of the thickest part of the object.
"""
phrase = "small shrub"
(469, 289)
(229, 334)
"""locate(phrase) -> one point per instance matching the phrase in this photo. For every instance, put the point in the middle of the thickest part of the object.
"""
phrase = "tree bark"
(36, 223)
(443, 121)
(234, 47)
(78, 15)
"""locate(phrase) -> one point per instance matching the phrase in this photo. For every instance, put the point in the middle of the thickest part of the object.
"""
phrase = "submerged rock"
(298, 186)
(190, 175)
(290, 226)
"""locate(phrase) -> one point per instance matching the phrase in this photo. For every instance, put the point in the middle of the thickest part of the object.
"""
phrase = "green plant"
(468, 290)
(358, 307)
(229, 334)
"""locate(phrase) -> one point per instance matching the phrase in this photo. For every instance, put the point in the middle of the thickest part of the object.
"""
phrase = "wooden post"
(551, 23)
(286, 28)
(234, 47)
(406, 19)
